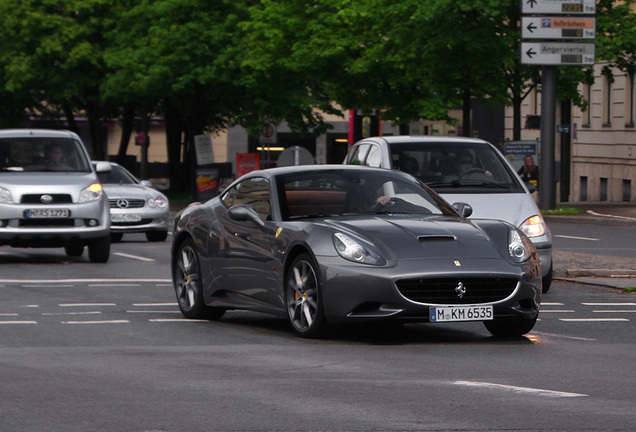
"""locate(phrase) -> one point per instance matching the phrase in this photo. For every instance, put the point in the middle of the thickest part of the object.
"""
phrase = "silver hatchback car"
(50, 195)
(468, 170)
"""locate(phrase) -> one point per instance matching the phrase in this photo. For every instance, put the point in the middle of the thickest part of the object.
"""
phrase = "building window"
(587, 114)
(631, 100)
(607, 98)
(583, 193)
(603, 196)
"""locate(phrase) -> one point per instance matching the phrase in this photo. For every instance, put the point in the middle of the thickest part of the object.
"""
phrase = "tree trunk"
(127, 125)
(466, 108)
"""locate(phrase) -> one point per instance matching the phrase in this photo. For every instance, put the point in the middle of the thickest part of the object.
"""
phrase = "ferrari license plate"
(47, 213)
(125, 217)
(460, 313)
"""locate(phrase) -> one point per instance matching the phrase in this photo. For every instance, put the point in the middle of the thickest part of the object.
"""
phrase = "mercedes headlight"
(159, 201)
(352, 250)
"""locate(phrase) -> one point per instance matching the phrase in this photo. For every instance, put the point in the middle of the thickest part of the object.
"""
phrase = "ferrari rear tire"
(187, 285)
(510, 327)
(303, 298)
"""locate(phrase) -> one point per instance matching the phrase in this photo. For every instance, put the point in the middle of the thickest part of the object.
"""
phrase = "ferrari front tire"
(187, 285)
(303, 298)
(510, 327)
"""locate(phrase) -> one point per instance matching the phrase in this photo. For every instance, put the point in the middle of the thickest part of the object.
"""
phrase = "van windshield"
(454, 166)
(42, 154)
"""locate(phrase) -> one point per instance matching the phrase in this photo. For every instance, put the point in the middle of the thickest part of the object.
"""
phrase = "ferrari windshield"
(350, 192)
(42, 154)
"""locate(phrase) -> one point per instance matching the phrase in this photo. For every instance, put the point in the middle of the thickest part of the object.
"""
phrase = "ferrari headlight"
(519, 246)
(352, 250)
(91, 193)
(534, 226)
(5, 196)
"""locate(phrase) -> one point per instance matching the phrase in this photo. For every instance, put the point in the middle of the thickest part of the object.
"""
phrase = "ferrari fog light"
(519, 247)
(351, 250)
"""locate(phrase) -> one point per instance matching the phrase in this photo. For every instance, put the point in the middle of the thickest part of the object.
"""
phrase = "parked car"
(50, 195)
(333, 244)
(468, 170)
(135, 206)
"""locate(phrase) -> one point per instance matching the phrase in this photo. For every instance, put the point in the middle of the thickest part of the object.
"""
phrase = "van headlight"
(352, 250)
(91, 193)
(520, 247)
(534, 226)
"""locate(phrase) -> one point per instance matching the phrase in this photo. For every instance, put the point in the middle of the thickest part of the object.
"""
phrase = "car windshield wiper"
(459, 183)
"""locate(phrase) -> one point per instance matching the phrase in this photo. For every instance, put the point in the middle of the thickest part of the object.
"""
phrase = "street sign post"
(557, 53)
(557, 27)
(569, 7)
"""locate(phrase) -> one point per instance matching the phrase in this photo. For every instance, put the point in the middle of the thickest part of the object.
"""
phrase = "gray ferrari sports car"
(323, 245)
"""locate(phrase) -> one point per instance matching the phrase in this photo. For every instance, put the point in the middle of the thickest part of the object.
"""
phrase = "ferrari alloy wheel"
(302, 294)
(187, 285)
(510, 327)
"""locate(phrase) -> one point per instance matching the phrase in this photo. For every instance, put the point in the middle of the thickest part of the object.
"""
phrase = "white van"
(466, 170)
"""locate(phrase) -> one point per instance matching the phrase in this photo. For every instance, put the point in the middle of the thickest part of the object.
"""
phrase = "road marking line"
(71, 313)
(151, 311)
(563, 336)
(8, 314)
(593, 319)
(615, 311)
(177, 320)
(114, 285)
(97, 322)
(56, 281)
(577, 238)
(154, 304)
(556, 310)
(608, 304)
(18, 322)
(85, 304)
(140, 258)
(516, 389)
(551, 304)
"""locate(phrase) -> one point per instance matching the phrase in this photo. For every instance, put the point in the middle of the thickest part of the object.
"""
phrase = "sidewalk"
(597, 269)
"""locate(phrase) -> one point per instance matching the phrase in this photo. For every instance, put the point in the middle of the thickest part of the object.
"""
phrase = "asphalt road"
(102, 347)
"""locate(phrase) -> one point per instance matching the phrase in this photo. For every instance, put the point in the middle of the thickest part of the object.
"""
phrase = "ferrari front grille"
(457, 290)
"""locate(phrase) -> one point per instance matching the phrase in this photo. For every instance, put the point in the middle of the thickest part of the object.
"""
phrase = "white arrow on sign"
(558, 53)
(558, 28)
(570, 7)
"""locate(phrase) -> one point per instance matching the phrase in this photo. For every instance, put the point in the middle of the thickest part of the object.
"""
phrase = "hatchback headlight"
(5, 196)
(534, 226)
(352, 250)
(159, 201)
(520, 247)
(91, 193)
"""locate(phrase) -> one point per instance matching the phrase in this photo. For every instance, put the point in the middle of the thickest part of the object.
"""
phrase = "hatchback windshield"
(42, 154)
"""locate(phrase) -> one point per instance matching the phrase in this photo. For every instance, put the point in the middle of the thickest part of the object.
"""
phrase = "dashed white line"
(593, 319)
(577, 238)
(137, 257)
(97, 322)
(516, 389)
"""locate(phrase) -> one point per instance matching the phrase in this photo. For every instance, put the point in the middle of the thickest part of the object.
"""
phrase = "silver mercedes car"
(135, 206)
(50, 195)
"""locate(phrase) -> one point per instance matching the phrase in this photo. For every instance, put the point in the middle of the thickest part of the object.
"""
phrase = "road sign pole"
(547, 184)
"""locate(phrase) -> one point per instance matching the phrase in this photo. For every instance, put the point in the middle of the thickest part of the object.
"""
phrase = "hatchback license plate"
(460, 313)
(47, 213)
